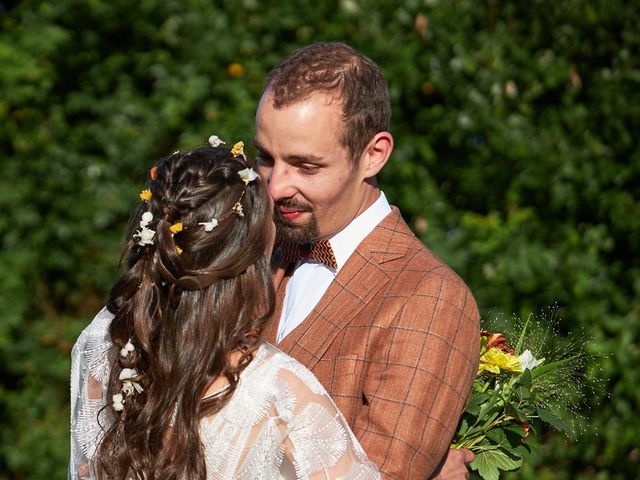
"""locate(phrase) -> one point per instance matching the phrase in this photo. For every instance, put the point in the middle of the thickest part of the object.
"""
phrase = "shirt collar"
(345, 242)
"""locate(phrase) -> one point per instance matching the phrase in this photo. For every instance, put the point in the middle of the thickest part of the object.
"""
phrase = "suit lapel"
(357, 283)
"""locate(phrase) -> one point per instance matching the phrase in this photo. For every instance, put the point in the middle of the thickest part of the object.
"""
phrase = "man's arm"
(419, 376)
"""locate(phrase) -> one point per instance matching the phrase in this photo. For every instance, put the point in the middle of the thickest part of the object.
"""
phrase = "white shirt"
(311, 279)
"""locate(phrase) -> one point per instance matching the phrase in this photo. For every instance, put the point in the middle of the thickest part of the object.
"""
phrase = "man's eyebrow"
(293, 157)
(304, 158)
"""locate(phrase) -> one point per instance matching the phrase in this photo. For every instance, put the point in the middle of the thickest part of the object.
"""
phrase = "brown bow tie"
(319, 251)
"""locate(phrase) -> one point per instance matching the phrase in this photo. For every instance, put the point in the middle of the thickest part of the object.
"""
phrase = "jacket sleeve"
(419, 373)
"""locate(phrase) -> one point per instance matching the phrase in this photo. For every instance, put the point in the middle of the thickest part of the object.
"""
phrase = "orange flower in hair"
(153, 173)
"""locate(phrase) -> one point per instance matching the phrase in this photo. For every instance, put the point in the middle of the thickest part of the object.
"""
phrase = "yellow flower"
(235, 70)
(145, 195)
(179, 250)
(494, 360)
(238, 149)
(175, 228)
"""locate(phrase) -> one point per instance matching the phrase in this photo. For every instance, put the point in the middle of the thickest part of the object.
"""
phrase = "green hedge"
(516, 160)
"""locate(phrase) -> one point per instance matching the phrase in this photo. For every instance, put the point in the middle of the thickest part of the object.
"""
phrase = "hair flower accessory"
(129, 387)
(145, 234)
(124, 351)
(145, 195)
(248, 175)
(237, 209)
(238, 149)
(176, 227)
(153, 173)
(118, 402)
(210, 225)
(215, 141)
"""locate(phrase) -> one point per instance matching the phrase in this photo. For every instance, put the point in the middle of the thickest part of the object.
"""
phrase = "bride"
(172, 380)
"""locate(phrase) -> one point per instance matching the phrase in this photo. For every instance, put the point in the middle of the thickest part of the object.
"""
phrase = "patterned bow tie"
(319, 251)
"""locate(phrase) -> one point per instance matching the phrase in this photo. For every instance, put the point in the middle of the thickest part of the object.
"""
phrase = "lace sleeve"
(89, 377)
(320, 444)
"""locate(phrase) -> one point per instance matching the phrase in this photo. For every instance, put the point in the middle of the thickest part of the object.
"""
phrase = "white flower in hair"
(124, 351)
(215, 141)
(129, 388)
(210, 225)
(118, 402)
(146, 219)
(128, 373)
(248, 175)
(145, 234)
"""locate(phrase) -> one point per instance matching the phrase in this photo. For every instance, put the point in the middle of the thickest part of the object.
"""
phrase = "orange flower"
(235, 70)
(496, 340)
(153, 173)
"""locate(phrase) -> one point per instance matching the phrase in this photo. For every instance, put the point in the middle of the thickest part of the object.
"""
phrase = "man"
(390, 331)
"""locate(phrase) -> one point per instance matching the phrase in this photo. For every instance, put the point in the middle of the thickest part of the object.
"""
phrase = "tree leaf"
(489, 463)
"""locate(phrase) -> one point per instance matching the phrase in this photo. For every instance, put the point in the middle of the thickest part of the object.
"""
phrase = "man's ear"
(376, 153)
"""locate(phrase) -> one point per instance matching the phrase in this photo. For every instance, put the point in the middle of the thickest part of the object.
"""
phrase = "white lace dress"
(280, 422)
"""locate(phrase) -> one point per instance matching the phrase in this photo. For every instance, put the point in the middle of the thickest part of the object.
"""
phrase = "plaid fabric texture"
(394, 340)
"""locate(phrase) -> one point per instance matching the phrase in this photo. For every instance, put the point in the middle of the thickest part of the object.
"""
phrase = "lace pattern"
(279, 424)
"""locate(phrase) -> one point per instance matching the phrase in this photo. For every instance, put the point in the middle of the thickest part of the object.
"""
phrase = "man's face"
(316, 187)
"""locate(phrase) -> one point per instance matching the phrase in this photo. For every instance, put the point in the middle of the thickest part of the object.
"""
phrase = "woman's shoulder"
(99, 326)
(92, 346)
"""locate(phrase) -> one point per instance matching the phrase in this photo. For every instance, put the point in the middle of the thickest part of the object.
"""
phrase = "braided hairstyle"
(186, 302)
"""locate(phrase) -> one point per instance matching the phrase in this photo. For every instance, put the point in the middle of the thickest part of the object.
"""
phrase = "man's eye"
(309, 169)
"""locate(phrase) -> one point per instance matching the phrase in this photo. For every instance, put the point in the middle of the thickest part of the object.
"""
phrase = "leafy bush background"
(517, 161)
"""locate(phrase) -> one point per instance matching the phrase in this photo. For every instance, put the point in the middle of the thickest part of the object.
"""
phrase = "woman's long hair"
(185, 302)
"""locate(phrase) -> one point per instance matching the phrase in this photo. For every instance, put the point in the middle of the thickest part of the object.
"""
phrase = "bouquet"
(536, 380)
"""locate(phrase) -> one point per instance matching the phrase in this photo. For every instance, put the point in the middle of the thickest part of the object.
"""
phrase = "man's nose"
(281, 182)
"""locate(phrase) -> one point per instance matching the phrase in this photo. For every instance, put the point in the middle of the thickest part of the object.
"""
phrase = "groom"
(389, 330)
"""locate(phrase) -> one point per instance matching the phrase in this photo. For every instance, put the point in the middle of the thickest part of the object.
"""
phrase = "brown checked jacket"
(395, 341)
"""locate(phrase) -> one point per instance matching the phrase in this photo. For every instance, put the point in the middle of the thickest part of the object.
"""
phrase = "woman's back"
(279, 423)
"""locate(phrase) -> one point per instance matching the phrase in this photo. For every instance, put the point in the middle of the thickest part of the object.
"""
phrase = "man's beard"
(298, 233)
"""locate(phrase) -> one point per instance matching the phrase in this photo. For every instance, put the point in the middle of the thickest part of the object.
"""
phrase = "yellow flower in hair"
(145, 195)
(238, 149)
(179, 250)
(175, 228)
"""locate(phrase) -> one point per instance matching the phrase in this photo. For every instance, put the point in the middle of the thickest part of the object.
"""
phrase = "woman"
(172, 380)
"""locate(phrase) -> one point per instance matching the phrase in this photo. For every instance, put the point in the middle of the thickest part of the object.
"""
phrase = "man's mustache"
(290, 204)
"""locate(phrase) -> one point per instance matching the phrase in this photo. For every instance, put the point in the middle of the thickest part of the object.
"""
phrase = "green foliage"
(516, 159)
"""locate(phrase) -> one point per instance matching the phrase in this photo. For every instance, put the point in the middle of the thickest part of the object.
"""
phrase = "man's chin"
(296, 232)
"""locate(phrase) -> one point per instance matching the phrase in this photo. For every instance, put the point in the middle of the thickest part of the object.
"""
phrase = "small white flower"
(215, 141)
(127, 388)
(124, 351)
(146, 219)
(210, 225)
(128, 373)
(528, 361)
(237, 208)
(145, 235)
(118, 402)
(248, 175)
